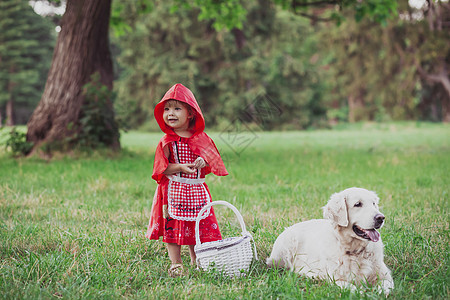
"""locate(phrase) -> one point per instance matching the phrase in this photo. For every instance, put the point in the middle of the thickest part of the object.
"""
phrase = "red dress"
(175, 222)
(175, 229)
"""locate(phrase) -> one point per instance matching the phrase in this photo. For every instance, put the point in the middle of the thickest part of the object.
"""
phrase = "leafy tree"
(82, 49)
(271, 80)
(26, 43)
(235, 74)
(388, 72)
(232, 13)
(425, 45)
(366, 75)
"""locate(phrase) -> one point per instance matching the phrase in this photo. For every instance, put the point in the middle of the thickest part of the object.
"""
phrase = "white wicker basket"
(232, 256)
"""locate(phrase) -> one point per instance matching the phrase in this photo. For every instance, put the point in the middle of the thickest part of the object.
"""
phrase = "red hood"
(183, 94)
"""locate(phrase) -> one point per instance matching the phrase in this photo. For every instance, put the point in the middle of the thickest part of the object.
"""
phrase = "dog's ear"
(336, 209)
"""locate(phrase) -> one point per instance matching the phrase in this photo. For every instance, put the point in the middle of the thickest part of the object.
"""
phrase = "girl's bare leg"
(176, 268)
(174, 251)
(192, 254)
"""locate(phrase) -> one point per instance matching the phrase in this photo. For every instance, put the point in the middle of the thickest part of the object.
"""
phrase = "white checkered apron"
(187, 193)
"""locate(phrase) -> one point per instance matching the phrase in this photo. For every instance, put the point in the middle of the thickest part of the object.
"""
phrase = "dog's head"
(356, 208)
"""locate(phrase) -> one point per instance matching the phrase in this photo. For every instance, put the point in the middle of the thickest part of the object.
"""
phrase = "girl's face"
(176, 115)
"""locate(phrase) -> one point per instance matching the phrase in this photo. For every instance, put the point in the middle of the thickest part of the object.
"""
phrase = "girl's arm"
(177, 168)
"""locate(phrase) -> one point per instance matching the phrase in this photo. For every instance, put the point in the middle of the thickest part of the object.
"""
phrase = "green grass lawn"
(74, 227)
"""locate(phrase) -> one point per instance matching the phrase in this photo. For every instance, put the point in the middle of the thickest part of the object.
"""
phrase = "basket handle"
(219, 202)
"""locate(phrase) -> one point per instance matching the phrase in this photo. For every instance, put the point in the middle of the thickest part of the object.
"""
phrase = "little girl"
(184, 155)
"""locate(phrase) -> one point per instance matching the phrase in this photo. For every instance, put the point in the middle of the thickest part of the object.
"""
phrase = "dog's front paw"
(386, 287)
(346, 285)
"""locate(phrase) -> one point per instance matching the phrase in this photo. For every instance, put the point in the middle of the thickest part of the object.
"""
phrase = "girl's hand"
(199, 163)
(187, 168)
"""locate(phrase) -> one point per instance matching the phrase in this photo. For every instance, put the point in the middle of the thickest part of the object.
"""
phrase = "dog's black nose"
(379, 219)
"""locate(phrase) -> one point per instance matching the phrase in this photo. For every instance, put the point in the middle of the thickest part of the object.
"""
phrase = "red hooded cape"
(200, 143)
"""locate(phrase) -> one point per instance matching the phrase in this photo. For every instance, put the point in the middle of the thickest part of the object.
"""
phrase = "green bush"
(97, 124)
(16, 142)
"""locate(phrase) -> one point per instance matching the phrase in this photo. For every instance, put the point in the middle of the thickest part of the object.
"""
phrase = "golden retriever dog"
(344, 247)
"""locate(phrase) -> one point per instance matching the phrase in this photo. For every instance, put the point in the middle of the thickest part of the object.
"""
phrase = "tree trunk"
(10, 113)
(351, 108)
(82, 49)
(446, 99)
(445, 113)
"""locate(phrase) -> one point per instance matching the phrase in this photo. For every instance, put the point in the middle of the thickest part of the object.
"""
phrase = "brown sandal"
(176, 270)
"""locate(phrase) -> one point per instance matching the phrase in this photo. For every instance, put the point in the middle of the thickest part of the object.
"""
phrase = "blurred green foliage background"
(314, 74)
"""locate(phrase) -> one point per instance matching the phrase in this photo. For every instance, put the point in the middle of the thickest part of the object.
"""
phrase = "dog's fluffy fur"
(344, 247)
